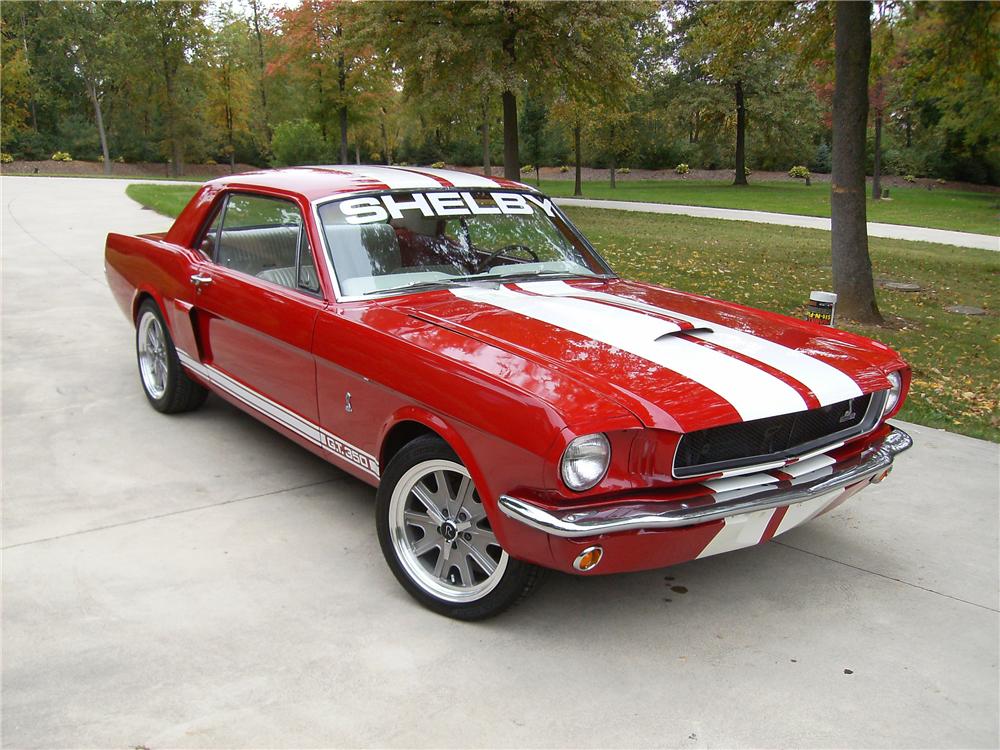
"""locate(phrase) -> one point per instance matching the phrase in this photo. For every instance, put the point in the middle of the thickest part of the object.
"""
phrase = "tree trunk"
(27, 61)
(852, 267)
(511, 160)
(261, 68)
(577, 185)
(177, 163)
(613, 164)
(342, 111)
(343, 135)
(741, 130)
(357, 153)
(385, 140)
(485, 128)
(909, 131)
(99, 119)
(877, 172)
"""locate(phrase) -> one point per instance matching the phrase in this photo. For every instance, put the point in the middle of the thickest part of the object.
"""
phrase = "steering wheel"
(488, 260)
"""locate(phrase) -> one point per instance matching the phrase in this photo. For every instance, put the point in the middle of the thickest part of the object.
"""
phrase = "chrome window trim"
(327, 254)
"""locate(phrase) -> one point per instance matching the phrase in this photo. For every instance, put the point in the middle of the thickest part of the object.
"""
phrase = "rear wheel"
(437, 539)
(164, 382)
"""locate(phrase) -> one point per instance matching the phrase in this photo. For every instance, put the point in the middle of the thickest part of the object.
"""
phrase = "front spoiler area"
(637, 514)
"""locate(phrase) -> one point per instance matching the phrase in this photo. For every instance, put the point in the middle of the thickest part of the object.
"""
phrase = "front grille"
(775, 438)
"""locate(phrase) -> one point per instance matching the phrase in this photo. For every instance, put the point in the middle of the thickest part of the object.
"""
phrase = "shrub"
(563, 168)
(298, 142)
(798, 172)
(437, 165)
(119, 160)
(5, 158)
(210, 162)
(909, 178)
(682, 169)
(822, 160)
(746, 171)
(61, 156)
(527, 169)
(78, 136)
(624, 170)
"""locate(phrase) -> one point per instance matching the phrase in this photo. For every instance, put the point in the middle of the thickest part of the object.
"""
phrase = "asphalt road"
(199, 581)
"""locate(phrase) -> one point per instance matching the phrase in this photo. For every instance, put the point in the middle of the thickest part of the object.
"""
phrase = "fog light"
(588, 559)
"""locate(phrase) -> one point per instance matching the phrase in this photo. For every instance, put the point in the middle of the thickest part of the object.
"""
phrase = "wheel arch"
(410, 423)
(141, 295)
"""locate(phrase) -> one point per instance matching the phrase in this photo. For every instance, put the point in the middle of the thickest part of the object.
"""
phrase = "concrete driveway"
(199, 581)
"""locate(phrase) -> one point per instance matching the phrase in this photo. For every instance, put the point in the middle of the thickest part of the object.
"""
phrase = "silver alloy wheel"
(441, 535)
(151, 342)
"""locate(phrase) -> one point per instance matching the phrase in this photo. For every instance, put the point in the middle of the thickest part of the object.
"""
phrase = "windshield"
(395, 241)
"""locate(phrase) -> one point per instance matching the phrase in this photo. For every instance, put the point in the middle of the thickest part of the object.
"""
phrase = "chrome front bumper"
(632, 514)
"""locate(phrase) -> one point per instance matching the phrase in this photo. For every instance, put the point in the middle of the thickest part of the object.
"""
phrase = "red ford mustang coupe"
(456, 342)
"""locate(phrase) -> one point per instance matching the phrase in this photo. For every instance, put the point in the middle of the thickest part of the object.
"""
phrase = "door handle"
(199, 278)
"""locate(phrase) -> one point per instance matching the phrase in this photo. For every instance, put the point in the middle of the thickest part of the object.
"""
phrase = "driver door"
(256, 301)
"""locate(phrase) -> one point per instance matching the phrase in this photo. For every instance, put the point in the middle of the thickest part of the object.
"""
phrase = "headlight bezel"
(595, 448)
(894, 393)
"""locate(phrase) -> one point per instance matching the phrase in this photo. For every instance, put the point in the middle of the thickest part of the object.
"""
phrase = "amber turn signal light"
(588, 559)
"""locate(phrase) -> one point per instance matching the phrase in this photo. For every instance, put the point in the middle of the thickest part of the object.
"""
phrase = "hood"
(676, 361)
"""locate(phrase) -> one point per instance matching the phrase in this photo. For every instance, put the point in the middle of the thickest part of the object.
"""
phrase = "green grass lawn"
(168, 200)
(956, 373)
(917, 206)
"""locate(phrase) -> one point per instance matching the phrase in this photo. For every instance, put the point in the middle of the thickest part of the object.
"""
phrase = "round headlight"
(584, 461)
(895, 388)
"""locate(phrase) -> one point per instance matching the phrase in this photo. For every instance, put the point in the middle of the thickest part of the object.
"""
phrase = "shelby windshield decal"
(383, 207)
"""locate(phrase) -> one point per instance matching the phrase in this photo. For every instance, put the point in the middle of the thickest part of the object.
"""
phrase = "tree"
(15, 73)
(165, 39)
(514, 45)
(82, 29)
(328, 42)
(258, 22)
(736, 45)
(852, 267)
(533, 127)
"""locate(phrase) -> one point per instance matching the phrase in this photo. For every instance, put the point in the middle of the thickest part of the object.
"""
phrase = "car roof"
(317, 182)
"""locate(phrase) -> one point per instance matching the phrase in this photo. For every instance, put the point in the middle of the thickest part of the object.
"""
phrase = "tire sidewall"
(173, 362)
(515, 579)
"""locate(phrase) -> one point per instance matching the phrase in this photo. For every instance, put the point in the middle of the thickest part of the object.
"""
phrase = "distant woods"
(499, 85)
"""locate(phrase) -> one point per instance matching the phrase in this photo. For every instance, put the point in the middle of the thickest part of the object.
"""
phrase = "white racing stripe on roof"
(829, 384)
(459, 179)
(397, 179)
(753, 392)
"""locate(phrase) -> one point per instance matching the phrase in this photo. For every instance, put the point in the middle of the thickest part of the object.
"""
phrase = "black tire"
(169, 390)
(510, 582)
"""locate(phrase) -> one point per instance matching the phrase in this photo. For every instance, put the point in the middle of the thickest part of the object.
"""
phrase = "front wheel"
(437, 539)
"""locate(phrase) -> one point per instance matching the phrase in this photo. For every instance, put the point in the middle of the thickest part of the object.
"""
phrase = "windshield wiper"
(505, 277)
(413, 286)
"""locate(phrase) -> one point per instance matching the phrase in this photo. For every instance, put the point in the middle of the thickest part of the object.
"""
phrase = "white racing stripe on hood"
(753, 392)
(829, 384)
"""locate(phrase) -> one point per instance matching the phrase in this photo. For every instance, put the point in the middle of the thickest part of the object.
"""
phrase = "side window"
(211, 238)
(308, 278)
(263, 237)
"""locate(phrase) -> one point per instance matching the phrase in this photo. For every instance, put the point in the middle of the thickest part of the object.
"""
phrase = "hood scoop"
(683, 332)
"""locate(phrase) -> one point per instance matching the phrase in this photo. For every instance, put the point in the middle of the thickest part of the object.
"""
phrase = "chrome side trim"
(632, 515)
(304, 428)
